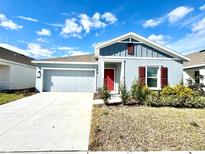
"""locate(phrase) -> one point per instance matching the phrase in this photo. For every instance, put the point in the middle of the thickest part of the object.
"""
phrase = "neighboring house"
(16, 70)
(116, 62)
(195, 69)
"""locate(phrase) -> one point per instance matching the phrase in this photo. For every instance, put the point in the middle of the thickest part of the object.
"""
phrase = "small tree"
(139, 92)
(124, 94)
(105, 94)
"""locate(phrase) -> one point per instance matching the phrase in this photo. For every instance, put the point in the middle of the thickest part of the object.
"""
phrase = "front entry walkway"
(46, 122)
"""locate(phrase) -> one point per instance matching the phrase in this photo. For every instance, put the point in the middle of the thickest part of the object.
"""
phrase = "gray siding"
(140, 50)
(175, 70)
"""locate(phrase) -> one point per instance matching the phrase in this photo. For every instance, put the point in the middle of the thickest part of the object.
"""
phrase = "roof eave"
(63, 62)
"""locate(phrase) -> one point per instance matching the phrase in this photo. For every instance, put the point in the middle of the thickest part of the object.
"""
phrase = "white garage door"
(69, 80)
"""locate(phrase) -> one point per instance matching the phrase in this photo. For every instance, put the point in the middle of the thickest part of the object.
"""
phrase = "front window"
(152, 77)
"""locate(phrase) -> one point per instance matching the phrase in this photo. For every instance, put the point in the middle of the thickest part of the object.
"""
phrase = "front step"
(115, 98)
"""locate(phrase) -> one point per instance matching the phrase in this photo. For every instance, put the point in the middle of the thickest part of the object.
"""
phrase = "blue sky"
(53, 28)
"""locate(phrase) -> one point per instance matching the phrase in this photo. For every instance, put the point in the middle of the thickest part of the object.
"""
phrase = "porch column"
(102, 73)
(122, 73)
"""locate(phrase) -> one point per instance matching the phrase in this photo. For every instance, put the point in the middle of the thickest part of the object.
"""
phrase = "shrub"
(139, 92)
(153, 100)
(105, 94)
(198, 87)
(195, 102)
(180, 96)
(124, 94)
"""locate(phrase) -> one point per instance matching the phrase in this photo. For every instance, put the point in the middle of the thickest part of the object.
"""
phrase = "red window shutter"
(142, 75)
(130, 48)
(164, 76)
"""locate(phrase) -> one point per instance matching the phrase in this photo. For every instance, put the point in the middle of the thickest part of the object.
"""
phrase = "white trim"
(112, 68)
(107, 59)
(16, 63)
(59, 62)
(193, 66)
(115, 58)
(67, 69)
(140, 39)
(158, 77)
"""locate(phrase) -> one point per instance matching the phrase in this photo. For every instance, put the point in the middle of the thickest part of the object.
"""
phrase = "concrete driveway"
(46, 122)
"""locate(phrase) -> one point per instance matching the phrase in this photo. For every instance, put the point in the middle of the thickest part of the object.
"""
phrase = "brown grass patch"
(131, 128)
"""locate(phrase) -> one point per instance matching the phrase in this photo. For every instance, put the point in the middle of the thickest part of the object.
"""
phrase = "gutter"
(58, 62)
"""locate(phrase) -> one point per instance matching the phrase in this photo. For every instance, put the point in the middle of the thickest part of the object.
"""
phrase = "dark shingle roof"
(15, 57)
(79, 58)
(196, 58)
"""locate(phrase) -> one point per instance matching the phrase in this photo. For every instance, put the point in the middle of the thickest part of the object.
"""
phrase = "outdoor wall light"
(39, 74)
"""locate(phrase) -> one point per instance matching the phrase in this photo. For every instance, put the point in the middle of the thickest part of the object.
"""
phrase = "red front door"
(109, 78)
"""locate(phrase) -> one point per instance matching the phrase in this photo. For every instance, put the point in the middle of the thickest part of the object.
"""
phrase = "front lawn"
(133, 128)
(6, 97)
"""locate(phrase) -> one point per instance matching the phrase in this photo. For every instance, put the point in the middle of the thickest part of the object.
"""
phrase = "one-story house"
(195, 69)
(16, 70)
(116, 62)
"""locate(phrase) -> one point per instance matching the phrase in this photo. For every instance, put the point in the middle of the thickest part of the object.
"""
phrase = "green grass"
(6, 97)
(132, 128)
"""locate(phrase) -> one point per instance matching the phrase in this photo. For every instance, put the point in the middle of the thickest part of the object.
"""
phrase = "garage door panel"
(69, 80)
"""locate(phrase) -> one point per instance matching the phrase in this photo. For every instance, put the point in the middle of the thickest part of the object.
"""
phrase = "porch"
(113, 77)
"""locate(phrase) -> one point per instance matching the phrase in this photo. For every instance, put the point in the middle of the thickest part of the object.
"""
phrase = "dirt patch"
(131, 128)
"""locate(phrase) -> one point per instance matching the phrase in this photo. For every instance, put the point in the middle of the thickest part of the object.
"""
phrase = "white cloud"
(42, 40)
(8, 24)
(109, 17)
(28, 18)
(89, 22)
(44, 32)
(202, 8)
(179, 13)
(71, 28)
(54, 24)
(74, 27)
(36, 51)
(72, 51)
(191, 42)
(152, 22)
(32, 50)
(199, 27)
(160, 39)
(64, 48)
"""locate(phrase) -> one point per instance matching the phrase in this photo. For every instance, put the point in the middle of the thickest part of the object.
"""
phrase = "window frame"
(158, 77)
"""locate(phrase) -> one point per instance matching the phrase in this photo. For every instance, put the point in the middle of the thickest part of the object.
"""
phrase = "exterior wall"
(175, 69)
(41, 67)
(140, 50)
(20, 76)
(4, 77)
(202, 72)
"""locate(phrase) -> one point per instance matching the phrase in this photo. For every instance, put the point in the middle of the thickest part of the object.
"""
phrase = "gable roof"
(9, 55)
(90, 58)
(197, 59)
(141, 39)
